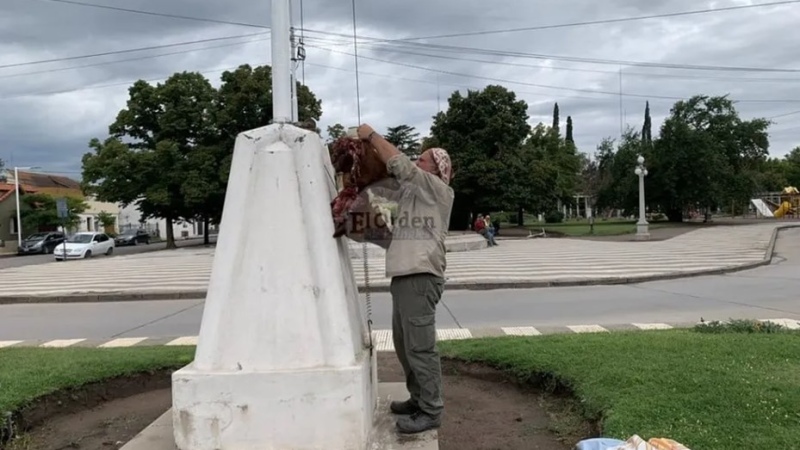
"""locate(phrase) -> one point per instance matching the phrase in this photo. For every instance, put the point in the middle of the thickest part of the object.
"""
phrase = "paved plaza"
(514, 261)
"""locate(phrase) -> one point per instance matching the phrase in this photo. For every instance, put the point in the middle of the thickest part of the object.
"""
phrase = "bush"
(554, 217)
(740, 326)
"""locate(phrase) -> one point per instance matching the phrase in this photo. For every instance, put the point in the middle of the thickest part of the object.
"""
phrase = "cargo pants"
(414, 300)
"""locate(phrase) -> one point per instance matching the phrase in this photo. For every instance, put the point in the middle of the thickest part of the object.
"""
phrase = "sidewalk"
(522, 263)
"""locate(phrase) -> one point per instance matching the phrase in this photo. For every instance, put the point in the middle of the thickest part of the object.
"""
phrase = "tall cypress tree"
(569, 129)
(556, 121)
(647, 134)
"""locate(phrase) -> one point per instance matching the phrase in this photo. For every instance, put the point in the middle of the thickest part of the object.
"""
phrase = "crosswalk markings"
(788, 323)
(184, 340)
(652, 326)
(521, 331)
(587, 328)
(527, 260)
(4, 344)
(62, 343)
(123, 342)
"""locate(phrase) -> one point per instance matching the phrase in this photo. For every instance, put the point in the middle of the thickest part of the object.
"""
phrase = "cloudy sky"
(50, 110)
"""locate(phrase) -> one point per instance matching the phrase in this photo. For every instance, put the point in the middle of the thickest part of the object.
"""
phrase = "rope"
(364, 248)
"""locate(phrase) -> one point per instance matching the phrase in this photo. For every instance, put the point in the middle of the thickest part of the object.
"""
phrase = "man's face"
(426, 163)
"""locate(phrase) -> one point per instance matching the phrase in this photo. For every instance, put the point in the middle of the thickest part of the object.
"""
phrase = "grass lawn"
(28, 373)
(601, 228)
(706, 390)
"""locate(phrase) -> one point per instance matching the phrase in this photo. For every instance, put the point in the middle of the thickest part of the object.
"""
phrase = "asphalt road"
(27, 260)
(762, 293)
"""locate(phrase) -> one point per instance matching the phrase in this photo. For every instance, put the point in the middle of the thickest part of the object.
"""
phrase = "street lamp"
(16, 190)
(642, 232)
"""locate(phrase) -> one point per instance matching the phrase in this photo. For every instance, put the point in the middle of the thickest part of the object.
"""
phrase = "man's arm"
(385, 149)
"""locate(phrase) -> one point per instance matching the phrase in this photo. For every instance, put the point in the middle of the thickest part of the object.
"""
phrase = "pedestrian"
(416, 262)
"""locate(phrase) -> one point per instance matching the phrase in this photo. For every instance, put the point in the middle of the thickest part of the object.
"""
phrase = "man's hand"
(364, 131)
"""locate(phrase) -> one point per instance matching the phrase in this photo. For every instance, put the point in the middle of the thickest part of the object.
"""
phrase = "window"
(89, 224)
(13, 226)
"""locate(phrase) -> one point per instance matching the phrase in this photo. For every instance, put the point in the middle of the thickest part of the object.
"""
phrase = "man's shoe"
(417, 423)
(405, 408)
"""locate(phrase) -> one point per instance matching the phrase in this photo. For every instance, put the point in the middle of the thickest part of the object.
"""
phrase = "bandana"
(442, 160)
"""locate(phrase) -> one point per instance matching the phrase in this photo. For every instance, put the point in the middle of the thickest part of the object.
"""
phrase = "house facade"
(131, 218)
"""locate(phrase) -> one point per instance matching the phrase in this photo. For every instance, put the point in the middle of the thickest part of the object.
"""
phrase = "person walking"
(416, 262)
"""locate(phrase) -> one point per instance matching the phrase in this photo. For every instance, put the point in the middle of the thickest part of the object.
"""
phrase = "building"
(55, 186)
(131, 218)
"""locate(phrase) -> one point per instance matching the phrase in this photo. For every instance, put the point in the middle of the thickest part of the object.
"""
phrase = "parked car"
(85, 245)
(43, 243)
(132, 237)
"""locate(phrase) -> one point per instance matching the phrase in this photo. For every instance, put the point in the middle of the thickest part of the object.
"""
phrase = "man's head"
(437, 162)
(487, 217)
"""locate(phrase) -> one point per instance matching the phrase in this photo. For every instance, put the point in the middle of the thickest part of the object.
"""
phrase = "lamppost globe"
(638, 171)
(640, 159)
(645, 172)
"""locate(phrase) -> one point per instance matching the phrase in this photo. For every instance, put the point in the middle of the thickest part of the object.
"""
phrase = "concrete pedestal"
(642, 231)
(282, 359)
(159, 435)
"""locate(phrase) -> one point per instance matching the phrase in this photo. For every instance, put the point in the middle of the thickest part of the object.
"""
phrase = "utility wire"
(649, 96)
(593, 22)
(391, 49)
(132, 50)
(139, 58)
(517, 54)
(614, 62)
(157, 14)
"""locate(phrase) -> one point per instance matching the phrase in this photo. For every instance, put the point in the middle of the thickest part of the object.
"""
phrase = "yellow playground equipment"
(789, 205)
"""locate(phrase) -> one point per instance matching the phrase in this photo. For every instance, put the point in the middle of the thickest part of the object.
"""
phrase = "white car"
(84, 245)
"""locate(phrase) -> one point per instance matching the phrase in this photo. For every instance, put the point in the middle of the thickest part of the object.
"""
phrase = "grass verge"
(727, 387)
(29, 373)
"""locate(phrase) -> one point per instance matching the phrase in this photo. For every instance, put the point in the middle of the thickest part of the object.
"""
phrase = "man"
(415, 261)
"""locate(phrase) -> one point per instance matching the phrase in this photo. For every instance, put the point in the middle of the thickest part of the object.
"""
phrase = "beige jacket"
(424, 203)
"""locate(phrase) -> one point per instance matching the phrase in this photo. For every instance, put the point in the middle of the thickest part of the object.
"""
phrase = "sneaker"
(404, 408)
(417, 423)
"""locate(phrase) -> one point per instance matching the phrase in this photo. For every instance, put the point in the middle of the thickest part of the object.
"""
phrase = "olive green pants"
(414, 300)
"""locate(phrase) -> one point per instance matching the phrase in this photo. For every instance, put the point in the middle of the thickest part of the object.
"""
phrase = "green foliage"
(617, 185)
(556, 119)
(706, 156)
(40, 212)
(334, 132)
(569, 137)
(741, 326)
(405, 138)
(647, 127)
(170, 149)
(106, 219)
(554, 216)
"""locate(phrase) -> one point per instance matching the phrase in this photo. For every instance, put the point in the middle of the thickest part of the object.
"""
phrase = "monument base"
(298, 408)
(160, 434)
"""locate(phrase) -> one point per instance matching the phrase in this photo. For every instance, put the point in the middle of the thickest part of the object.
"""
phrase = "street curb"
(479, 286)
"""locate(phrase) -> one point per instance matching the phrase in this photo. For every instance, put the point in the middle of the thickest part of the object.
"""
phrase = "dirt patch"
(484, 409)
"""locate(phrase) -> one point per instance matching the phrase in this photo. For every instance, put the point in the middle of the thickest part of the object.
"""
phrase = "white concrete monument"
(282, 358)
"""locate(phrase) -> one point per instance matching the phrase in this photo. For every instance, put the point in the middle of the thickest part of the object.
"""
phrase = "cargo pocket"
(422, 333)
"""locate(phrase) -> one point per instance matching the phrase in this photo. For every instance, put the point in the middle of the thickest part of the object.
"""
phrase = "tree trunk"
(170, 233)
(206, 239)
(520, 217)
(675, 215)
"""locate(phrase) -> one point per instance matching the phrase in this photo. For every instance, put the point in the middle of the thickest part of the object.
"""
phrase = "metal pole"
(19, 216)
(642, 228)
(281, 62)
(295, 111)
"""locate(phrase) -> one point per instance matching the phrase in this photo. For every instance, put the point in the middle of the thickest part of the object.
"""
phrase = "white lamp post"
(642, 231)
(16, 193)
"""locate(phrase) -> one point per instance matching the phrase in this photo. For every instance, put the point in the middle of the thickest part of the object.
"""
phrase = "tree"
(39, 212)
(163, 124)
(405, 138)
(617, 184)
(334, 132)
(170, 149)
(706, 156)
(569, 130)
(647, 134)
(791, 168)
(556, 121)
(106, 219)
(483, 131)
